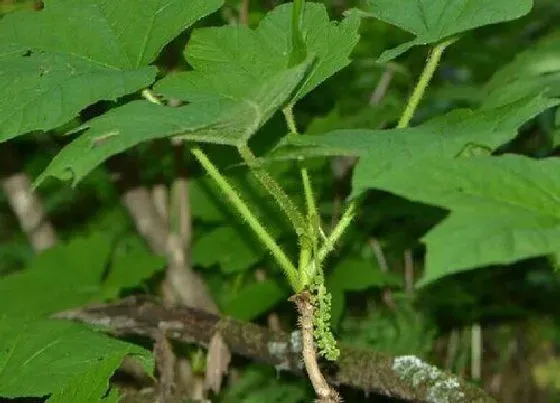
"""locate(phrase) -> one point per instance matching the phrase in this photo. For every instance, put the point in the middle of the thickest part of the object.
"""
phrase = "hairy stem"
(338, 231)
(308, 247)
(411, 106)
(248, 216)
(273, 187)
(423, 82)
(290, 120)
(309, 263)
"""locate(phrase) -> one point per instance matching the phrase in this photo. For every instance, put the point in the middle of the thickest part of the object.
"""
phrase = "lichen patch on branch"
(441, 387)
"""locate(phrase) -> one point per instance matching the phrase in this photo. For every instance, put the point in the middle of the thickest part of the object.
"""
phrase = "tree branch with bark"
(404, 377)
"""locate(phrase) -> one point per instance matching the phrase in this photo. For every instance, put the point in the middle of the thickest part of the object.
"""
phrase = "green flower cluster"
(324, 339)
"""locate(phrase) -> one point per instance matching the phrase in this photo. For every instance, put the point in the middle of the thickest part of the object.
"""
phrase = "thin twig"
(382, 86)
(165, 363)
(244, 12)
(451, 350)
(159, 197)
(476, 351)
(182, 285)
(377, 250)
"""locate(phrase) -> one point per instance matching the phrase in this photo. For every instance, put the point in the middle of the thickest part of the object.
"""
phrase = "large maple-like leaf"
(502, 208)
(241, 77)
(56, 62)
(249, 55)
(434, 20)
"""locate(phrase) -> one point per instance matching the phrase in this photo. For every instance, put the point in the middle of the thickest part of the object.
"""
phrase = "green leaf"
(532, 71)
(129, 269)
(247, 56)
(432, 21)
(254, 300)
(59, 278)
(338, 304)
(69, 275)
(224, 118)
(67, 361)
(240, 254)
(262, 384)
(503, 209)
(364, 118)
(460, 132)
(556, 135)
(240, 79)
(73, 53)
(356, 274)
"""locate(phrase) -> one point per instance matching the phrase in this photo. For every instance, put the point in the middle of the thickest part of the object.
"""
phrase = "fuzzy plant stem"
(337, 231)
(423, 82)
(306, 179)
(411, 106)
(273, 187)
(252, 221)
(308, 262)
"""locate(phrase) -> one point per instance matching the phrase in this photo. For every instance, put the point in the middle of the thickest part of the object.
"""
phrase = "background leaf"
(239, 254)
(535, 70)
(130, 268)
(254, 300)
(67, 361)
(354, 274)
(71, 275)
(434, 20)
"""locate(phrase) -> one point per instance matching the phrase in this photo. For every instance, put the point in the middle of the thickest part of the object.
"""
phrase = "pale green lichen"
(441, 388)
